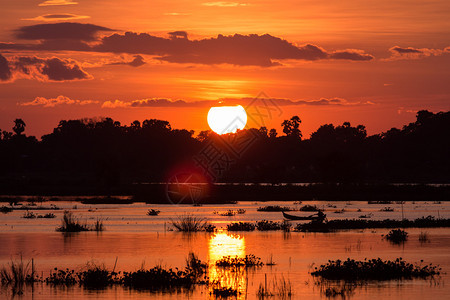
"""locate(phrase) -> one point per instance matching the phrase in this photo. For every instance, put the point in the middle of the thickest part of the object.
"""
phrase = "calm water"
(136, 240)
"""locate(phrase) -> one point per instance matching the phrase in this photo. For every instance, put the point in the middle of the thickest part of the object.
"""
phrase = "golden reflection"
(223, 244)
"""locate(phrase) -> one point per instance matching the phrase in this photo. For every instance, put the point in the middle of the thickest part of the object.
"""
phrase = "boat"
(293, 217)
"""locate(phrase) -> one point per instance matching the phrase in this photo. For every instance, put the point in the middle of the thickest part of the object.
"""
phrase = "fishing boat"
(293, 217)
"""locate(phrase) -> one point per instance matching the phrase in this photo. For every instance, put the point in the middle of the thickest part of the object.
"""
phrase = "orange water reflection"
(224, 244)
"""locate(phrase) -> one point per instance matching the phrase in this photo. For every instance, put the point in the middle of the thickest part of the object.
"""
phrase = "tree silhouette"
(291, 127)
(273, 133)
(19, 126)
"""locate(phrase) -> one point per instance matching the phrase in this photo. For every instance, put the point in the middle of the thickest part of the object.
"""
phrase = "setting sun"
(227, 119)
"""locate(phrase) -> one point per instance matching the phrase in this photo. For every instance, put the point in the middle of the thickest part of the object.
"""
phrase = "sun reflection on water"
(223, 244)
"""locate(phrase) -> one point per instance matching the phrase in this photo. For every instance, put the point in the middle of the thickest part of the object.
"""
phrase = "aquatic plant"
(249, 260)
(224, 292)
(274, 208)
(190, 223)
(397, 236)
(281, 288)
(309, 208)
(153, 212)
(62, 277)
(241, 226)
(17, 272)
(70, 223)
(29, 215)
(379, 202)
(423, 237)
(228, 213)
(96, 276)
(5, 209)
(265, 225)
(374, 269)
(47, 216)
(387, 209)
(241, 211)
(424, 222)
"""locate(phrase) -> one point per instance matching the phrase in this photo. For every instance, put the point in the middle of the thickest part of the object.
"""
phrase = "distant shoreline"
(229, 193)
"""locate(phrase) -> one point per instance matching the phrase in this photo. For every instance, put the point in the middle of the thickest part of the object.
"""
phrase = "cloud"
(178, 34)
(351, 54)
(57, 2)
(163, 102)
(52, 102)
(58, 31)
(45, 69)
(5, 71)
(57, 17)
(224, 4)
(401, 53)
(136, 62)
(239, 50)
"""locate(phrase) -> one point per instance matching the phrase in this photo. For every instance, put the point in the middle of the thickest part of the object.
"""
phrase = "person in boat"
(320, 217)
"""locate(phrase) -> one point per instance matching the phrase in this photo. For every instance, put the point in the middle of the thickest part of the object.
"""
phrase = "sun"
(227, 119)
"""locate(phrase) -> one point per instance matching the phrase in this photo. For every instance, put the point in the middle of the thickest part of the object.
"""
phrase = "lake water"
(136, 240)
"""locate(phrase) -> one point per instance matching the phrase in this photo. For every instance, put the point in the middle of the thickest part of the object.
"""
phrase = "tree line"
(105, 152)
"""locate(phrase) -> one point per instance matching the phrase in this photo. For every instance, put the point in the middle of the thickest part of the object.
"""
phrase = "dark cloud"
(163, 102)
(57, 31)
(401, 53)
(5, 71)
(242, 50)
(44, 69)
(351, 55)
(137, 61)
(178, 34)
(57, 17)
(405, 50)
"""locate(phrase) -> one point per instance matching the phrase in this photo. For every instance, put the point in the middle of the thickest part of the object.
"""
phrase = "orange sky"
(368, 62)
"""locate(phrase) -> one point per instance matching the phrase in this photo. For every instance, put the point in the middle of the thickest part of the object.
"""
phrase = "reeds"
(5, 209)
(374, 269)
(191, 223)
(281, 288)
(70, 223)
(17, 272)
(423, 237)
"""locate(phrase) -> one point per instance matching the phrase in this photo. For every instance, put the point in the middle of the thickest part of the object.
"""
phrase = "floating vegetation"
(153, 212)
(224, 292)
(309, 208)
(374, 269)
(274, 208)
(241, 226)
(191, 223)
(423, 237)
(47, 216)
(241, 211)
(388, 209)
(340, 211)
(5, 209)
(265, 225)
(228, 213)
(71, 224)
(424, 222)
(379, 202)
(397, 236)
(249, 260)
(367, 216)
(96, 276)
(29, 215)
